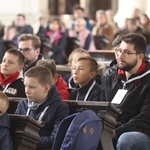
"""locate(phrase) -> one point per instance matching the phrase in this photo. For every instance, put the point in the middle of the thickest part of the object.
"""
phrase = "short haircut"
(78, 50)
(17, 53)
(78, 8)
(117, 40)
(43, 75)
(138, 40)
(21, 15)
(93, 63)
(4, 102)
(48, 63)
(36, 42)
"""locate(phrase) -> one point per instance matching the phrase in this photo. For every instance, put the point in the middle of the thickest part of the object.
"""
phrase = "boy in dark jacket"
(11, 78)
(5, 137)
(43, 103)
(84, 72)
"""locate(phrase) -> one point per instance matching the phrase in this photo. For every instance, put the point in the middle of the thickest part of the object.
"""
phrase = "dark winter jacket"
(15, 89)
(135, 106)
(26, 67)
(56, 111)
(81, 93)
(5, 137)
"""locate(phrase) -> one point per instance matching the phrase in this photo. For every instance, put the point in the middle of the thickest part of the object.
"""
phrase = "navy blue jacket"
(55, 113)
(94, 94)
(5, 137)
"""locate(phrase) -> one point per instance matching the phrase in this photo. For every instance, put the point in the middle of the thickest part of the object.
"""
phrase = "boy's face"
(35, 92)
(10, 64)
(82, 73)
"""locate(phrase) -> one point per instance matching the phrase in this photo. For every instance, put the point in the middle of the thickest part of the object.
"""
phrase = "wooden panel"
(63, 70)
(104, 56)
(105, 110)
(24, 131)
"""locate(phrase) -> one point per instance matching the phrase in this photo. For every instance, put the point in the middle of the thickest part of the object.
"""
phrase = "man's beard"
(127, 66)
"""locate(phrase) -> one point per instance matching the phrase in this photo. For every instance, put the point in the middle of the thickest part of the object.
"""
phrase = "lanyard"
(6, 87)
(88, 92)
(135, 78)
(41, 115)
(69, 81)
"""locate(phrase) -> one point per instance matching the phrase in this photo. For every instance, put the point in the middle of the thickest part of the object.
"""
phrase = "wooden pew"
(63, 70)
(24, 131)
(104, 56)
(105, 110)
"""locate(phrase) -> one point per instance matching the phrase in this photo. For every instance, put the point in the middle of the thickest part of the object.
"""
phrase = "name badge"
(119, 96)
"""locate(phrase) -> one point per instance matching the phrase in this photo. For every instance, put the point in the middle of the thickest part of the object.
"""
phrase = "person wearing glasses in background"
(127, 85)
(5, 138)
(29, 45)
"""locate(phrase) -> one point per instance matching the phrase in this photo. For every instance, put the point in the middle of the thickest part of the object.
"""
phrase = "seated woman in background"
(11, 79)
(83, 35)
(58, 41)
(103, 32)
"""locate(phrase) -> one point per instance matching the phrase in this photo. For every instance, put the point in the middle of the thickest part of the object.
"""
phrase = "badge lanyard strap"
(88, 92)
(135, 78)
(41, 115)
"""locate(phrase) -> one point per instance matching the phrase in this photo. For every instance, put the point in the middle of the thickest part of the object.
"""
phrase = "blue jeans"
(133, 141)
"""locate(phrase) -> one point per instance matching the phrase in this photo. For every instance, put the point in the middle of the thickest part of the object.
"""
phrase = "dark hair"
(17, 53)
(78, 8)
(117, 39)
(48, 63)
(21, 15)
(93, 62)
(43, 75)
(138, 40)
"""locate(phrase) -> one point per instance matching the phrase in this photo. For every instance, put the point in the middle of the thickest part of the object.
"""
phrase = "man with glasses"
(29, 45)
(127, 85)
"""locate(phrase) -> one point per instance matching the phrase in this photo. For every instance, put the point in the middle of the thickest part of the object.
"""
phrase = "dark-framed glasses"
(125, 53)
(25, 50)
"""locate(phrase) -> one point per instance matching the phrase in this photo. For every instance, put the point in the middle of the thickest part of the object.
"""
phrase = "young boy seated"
(84, 71)
(5, 137)
(43, 103)
(75, 54)
(57, 79)
(11, 81)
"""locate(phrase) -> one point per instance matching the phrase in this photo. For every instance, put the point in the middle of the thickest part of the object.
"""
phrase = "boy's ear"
(47, 88)
(55, 78)
(93, 74)
(20, 67)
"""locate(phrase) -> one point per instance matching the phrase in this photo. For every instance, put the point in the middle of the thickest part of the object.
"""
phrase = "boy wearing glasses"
(5, 138)
(127, 85)
(29, 45)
